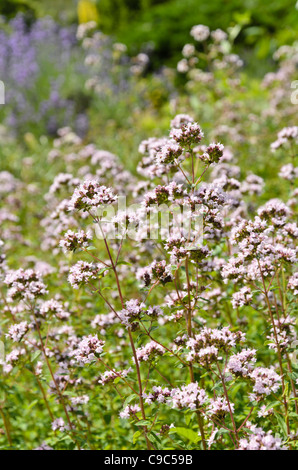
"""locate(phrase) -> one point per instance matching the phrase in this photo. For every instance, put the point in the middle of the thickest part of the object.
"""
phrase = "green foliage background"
(165, 24)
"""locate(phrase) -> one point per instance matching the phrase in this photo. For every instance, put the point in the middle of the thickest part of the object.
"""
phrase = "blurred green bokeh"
(163, 25)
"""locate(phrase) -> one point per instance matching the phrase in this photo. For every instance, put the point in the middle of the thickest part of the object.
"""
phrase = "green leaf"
(282, 424)
(136, 435)
(189, 434)
(129, 399)
(143, 422)
(35, 356)
(102, 270)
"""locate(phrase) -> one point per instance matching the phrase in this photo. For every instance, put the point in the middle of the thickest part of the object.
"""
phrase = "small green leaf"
(189, 434)
(136, 435)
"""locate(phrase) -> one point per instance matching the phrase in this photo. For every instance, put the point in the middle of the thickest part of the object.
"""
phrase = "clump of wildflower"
(154, 312)
(263, 411)
(293, 283)
(85, 28)
(276, 211)
(198, 254)
(258, 439)
(91, 194)
(149, 352)
(132, 311)
(188, 396)
(38, 368)
(158, 270)
(183, 66)
(248, 230)
(103, 321)
(63, 180)
(286, 135)
(289, 172)
(176, 246)
(253, 184)
(158, 394)
(211, 340)
(283, 333)
(241, 364)
(24, 285)
(129, 411)
(218, 35)
(188, 134)
(110, 375)
(168, 154)
(53, 307)
(204, 356)
(75, 240)
(88, 349)
(200, 32)
(266, 381)
(163, 194)
(17, 331)
(212, 154)
(164, 430)
(219, 407)
(59, 425)
(82, 273)
(291, 230)
(188, 50)
(12, 359)
(148, 166)
(125, 219)
(241, 298)
(181, 120)
(82, 400)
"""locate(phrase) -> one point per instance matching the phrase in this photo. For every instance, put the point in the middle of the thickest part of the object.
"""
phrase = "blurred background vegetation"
(162, 26)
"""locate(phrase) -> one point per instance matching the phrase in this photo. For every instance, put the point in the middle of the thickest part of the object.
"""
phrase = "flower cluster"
(88, 349)
(110, 375)
(91, 194)
(73, 241)
(266, 381)
(130, 410)
(188, 396)
(17, 332)
(258, 439)
(187, 134)
(149, 352)
(24, 285)
(133, 309)
(53, 307)
(82, 273)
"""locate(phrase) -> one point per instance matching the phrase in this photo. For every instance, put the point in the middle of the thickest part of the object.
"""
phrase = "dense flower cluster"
(130, 410)
(17, 332)
(149, 352)
(91, 194)
(82, 272)
(132, 312)
(87, 349)
(260, 440)
(188, 396)
(24, 285)
(72, 241)
(111, 375)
